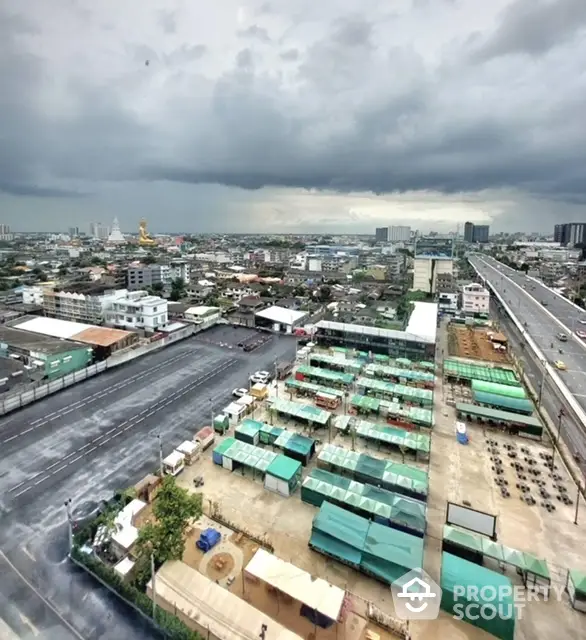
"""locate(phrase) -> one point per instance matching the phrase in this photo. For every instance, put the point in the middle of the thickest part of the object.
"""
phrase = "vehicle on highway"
(238, 393)
(581, 334)
(559, 364)
(544, 303)
(562, 337)
(582, 321)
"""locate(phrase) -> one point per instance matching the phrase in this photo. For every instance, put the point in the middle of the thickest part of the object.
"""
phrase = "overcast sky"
(292, 115)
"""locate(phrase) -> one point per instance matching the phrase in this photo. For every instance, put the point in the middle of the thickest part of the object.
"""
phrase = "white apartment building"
(448, 302)
(399, 234)
(174, 270)
(137, 310)
(33, 295)
(475, 298)
(426, 271)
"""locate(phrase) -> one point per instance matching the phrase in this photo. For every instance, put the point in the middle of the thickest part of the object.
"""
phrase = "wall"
(79, 358)
(14, 402)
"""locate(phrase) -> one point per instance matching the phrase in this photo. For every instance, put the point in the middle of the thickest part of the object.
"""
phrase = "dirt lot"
(466, 342)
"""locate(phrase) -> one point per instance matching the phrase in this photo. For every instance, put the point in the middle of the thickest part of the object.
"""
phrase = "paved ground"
(540, 325)
(83, 444)
(463, 473)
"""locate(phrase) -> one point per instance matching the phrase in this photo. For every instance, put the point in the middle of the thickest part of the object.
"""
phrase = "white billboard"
(470, 519)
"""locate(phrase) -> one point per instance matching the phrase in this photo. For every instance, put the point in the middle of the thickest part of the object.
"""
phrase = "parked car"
(581, 334)
(560, 365)
(238, 393)
(562, 337)
(544, 303)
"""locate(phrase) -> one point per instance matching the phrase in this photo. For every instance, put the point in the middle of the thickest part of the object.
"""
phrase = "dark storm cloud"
(358, 116)
(534, 27)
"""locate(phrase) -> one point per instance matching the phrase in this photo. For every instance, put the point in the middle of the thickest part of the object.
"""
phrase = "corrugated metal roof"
(53, 327)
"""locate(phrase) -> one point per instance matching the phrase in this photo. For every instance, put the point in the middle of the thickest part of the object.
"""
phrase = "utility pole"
(577, 503)
(153, 582)
(69, 523)
(276, 380)
(212, 413)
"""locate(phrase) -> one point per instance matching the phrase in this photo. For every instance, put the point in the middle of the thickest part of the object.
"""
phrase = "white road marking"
(20, 493)
(131, 422)
(29, 554)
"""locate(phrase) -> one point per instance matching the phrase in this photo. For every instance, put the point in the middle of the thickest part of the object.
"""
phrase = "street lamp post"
(556, 442)
(577, 502)
(69, 523)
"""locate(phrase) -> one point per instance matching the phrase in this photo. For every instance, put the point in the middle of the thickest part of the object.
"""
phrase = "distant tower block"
(116, 236)
(144, 239)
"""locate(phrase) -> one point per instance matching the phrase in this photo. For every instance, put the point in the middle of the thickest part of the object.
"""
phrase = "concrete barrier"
(17, 401)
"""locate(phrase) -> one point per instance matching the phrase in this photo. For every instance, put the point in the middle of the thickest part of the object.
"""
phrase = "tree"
(324, 293)
(173, 508)
(177, 289)
(157, 288)
(150, 259)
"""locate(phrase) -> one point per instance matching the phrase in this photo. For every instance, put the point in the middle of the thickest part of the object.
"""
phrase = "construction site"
(477, 343)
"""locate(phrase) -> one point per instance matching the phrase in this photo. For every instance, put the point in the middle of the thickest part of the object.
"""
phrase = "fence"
(18, 401)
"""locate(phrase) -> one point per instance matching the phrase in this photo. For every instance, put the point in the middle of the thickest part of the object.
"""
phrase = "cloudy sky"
(292, 115)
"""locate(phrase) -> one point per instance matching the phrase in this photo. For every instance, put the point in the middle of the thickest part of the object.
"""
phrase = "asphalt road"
(84, 443)
(525, 304)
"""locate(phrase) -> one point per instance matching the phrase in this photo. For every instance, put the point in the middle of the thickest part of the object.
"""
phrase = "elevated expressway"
(533, 329)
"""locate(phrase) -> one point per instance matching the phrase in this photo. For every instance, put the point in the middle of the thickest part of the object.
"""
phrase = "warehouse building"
(280, 319)
(102, 340)
(55, 357)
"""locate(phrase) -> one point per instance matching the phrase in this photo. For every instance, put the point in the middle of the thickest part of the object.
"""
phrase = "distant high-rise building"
(73, 232)
(570, 233)
(481, 232)
(5, 233)
(381, 234)
(476, 232)
(399, 234)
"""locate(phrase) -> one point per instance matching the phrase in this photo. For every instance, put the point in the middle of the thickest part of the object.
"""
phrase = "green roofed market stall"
(474, 547)
(305, 412)
(528, 426)
(464, 371)
(373, 549)
(499, 389)
(576, 588)
(283, 475)
(311, 389)
(388, 508)
(334, 378)
(296, 446)
(389, 554)
(469, 590)
(334, 363)
(504, 403)
(339, 534)
(277, 470)
(248, 431)
(401, 478)
(372, 386)
(383, 434)
(400, 375)
(400, 415)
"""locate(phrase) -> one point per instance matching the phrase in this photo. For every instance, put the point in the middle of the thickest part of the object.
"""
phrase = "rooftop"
(53, 327)
(423, 320)
(391, 334)
(281, 315)
(102, 336)
(29, 341)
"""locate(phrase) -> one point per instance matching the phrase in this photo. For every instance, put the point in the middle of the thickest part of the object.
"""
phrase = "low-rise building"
(448, 302)
(137, 310)
(202, 314)
(475, 299)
